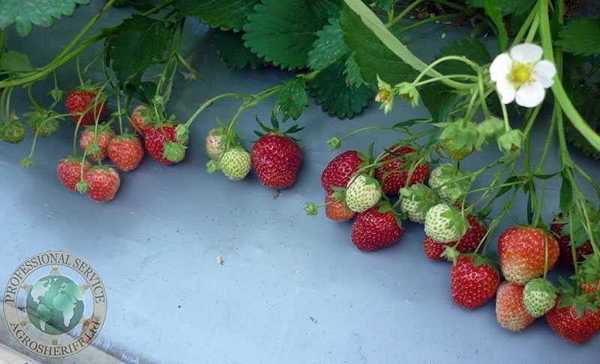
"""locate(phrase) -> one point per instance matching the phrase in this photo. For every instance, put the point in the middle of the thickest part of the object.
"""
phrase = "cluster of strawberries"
(87, 107)
(276, 157)
(364, 190)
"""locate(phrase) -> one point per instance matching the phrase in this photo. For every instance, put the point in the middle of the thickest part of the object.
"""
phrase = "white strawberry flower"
(522, 75)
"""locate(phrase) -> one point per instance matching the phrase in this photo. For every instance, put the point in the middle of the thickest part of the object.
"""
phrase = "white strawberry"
(445, 224)
(215, 143)
(449, 182)
(362, 193)
(416, 200)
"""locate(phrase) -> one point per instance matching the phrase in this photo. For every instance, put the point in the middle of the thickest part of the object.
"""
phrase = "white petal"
(501, 66)
(526, 53)
(544, 72)
(531, 95)
(506, 90)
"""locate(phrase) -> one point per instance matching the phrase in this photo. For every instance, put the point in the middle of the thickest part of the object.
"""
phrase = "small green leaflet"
(372, 56)
(283, 32)
(222, 14)
(292, 98)
(581, 37)
(353, 76)
(493, 10)
(566, 193)
(329, 90)
(329, 46)
(136, 44)
(231, 50)
(41, 12)
(12, 61)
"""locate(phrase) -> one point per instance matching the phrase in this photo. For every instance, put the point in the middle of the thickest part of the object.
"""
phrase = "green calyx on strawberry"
(12, 130)
(43, 122)
(235, 163)
(445, 223)
(276, 156)
(461, 138)
(510, 143)
(449, 182)
(362, 193)
(539, 297)
(416, 200)
(174, 152)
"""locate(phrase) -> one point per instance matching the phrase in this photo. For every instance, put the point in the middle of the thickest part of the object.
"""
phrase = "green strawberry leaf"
(329, 46)
(222, 14)
(136, 44)
(41, 12)
(12, 62)
(566, 194)
(231, 50)
(372, 56)
(283, 32)
(581, 37)
(292, 99)
(329, 90)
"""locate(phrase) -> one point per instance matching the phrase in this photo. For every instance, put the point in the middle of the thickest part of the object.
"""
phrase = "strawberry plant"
(346, 55)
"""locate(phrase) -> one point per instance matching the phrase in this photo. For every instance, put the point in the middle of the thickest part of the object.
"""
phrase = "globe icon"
(54, 305)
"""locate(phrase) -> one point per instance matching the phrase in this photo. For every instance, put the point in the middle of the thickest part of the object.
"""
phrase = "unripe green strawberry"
(362, 193)
(445, 223)
(43, 122)
(449, 182)
(215, 143)
(539, 297)
(235, 163)
(460, 139)
(12, 131)
(416, 200)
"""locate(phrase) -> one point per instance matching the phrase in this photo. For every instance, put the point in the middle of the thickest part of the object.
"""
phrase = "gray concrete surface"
(291, 289)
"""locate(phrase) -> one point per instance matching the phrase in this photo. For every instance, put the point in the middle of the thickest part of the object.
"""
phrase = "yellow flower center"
(521, 73)
(383, 96)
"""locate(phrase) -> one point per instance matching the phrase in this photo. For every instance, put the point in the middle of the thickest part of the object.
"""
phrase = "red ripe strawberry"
(433, 249)
(102, 183)
(568, 324)
(276, 160)
(565, 258)
(473, 281)
(86, 104)
(375, 229)
(340, 169)
(69, 171)
(99, 137)
(467, 244)
(337, 210)
(155, 139)
(126, 152)
(393, 172)
(510, 310)
(522, 253)
(142, 118)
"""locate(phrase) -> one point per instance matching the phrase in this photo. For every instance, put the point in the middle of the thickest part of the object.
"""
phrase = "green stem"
(559, 92)
(208, 103)
(404, 12)
(526, 25)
